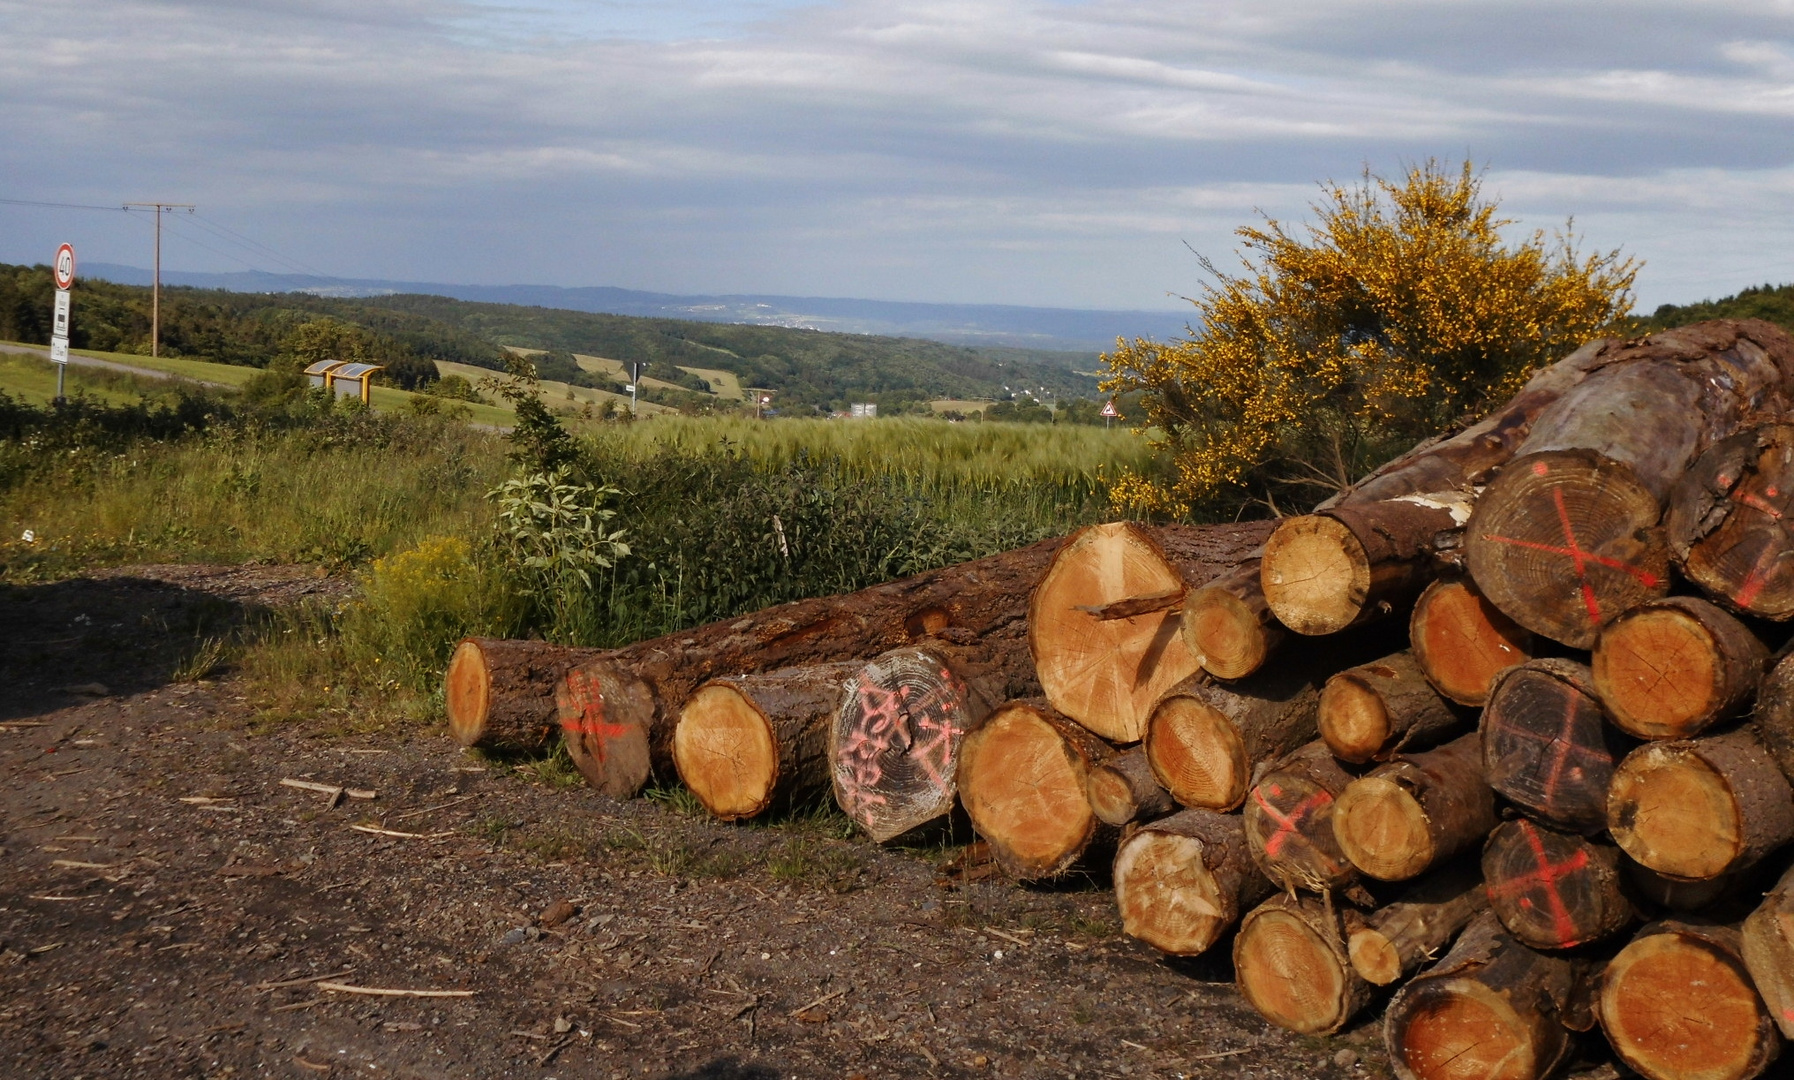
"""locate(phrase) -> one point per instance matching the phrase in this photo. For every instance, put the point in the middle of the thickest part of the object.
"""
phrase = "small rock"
(980, 1061)
(558, 912)
(1345, 1059)
(562, 1025)
(515, 937)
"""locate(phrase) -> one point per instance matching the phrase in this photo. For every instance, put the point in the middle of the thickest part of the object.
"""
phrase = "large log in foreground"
(984, 600)
(1108, 673)
(1677, 1002)
(1672, 668)
(1290, 963)
(1728, 525)
(1416, 811)
(1023, 776)
(1700, 808)
(1582, 499)
(499, 694)
(1181, 881)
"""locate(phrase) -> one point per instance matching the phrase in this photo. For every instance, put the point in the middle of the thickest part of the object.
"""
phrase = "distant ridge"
(1067, 329)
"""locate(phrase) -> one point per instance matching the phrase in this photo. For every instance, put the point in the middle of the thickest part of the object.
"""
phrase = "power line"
(64, 206)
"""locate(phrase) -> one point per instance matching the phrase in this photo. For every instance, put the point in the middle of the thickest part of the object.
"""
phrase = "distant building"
(865, 410)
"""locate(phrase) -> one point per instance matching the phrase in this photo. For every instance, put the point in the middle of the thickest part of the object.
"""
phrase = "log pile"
(1498, 741)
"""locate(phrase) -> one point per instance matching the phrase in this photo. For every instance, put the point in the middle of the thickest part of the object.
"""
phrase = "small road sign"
(1110, 412)
(59, 354)
(59, 322)
(65, 266)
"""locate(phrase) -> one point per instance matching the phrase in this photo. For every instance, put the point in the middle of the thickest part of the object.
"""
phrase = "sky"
(1038, 152)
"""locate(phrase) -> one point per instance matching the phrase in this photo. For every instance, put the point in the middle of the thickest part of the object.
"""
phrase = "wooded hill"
(809, 369)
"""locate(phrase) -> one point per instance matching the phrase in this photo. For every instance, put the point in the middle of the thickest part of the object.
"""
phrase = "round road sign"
(65, 266)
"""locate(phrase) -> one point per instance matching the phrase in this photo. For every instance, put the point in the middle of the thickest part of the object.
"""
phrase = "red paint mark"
(900, 730)
(1545, 877)
(1539, 468)
(1757, 503)
(586, 696)
(1579, 557)
(1771, 491)
(1287, 824)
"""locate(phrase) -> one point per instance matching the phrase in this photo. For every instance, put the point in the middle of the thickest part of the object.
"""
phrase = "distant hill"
(1773, 303)
(1058, 329)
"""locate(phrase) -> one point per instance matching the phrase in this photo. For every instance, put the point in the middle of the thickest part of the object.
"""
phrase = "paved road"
(43, 353)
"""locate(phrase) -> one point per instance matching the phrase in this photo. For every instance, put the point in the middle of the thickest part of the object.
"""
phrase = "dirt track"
(165, 905)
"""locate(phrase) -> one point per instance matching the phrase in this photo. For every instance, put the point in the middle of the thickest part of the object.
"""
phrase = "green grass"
(34, 380)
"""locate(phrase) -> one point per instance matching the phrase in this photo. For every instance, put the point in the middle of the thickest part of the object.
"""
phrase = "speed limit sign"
(65, 266)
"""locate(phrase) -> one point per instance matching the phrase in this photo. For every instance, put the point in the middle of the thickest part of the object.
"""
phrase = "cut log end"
(467, 693)
(1228, 637)
(1647, 696)
(1290, 972)
(1197, 754)
(1727, 522)
(1374, 957)
(1316, 575)
(726, 753)
(1182, 881)
(1554, 890)
(605, 716)
(1289, 825)
(1462, 641)
(1382, 829)
(1352, 719)
(1675, 813)
(1546, 744)
(1674, 1005)
(1459, 1029)
(1024, 790)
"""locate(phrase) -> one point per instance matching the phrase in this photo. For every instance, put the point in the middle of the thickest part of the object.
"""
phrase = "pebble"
(515, 937)
(1345, 1059)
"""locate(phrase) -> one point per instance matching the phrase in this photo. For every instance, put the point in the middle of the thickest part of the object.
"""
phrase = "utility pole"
(156, 293)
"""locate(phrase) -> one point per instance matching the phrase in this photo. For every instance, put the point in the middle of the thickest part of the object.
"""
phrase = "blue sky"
(1005, 151)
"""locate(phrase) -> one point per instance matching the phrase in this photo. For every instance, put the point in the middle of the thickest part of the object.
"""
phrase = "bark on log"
(1181, 881)
(1356, 562)
(1675, 667)
(1493, 1008)
(1228, 626)
(1289, 821)
(1372, 711)
(1546, 746)
(1582, 499)
(1108, 673)
(1022, 778)
(1700, 808)
(1290, 964)
(744, 742)
(1461, 641)
(1773, 718)
(1397, 939)
(1416, 811)
(1677, 1002)
(894, 743)
(1554, 890)
(499, 694)
(1123, 790)
(1673, 894)
(1727, 522)
(1768, 946)
(1203, 739)
(982, 601)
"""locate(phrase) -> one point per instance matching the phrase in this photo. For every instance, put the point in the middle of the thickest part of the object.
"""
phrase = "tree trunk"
(1022, 778)
(1357, 562)
(606, 716)
(1493, 1009)
(1672, 668)
(1461, 641)
(983, 601)
(1372, 711)
(1395, 940)
(1546, 746)
(895, 740)
(1289, 821)
(1181, 881)
(1107, 673)
(1700, 808)
(1677, 1002)
(746, 741)
(1290, 964)
(1123, 790)
(1416, 811)
(1769, 951)
(1554, 890)
(1203, 739)
(1727, 522)
(499, 694)
(1228, 626)
(1582, 498)
(1773, 718)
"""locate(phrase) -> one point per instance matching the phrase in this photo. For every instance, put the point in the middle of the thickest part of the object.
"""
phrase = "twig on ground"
(73, 864)
(296, 1005)
(375, 831)
(1005, 937)
(820, 1000)
(263, 988)
(1222, 1054)
(548, 1055)
(372, 991)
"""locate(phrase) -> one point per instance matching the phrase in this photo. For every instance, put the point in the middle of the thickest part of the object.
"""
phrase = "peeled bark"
(746, 741)
(1289, 821)
(1768, 949)
(1546, 746)
(1728, 526)
(1203, 739)
(1672, 668)
(895, 740)
(1123, 790)
(1461, 641)
(1582, 499)
(1182, 881)
(1700, 808)
(982, 601)
(499, 694)
(1290, 963)
(1356, 562)
(1107, 673)
(1372, 711)
(1493, 1009)
(1554, 890)
(1022, 778)
(1228, 626)
(1677, 1002)
(1416, 811)
(1395, 940)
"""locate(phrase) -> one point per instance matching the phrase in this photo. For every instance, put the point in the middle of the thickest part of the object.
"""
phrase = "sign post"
(64, 271)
